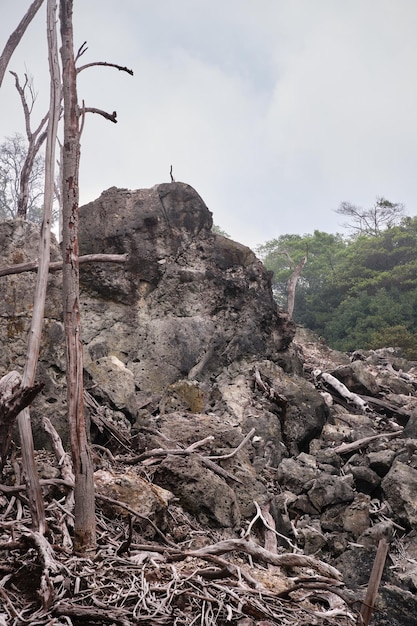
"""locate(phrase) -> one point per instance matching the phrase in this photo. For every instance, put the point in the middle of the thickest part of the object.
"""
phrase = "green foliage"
(357, 292)
(219, 231)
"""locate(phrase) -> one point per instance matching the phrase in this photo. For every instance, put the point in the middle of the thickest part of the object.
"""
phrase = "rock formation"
(183, 344)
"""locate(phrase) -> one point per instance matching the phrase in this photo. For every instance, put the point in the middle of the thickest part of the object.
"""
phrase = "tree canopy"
(356, 292)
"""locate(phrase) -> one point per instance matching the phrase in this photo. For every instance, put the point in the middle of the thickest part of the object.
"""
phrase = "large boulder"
(187, 298)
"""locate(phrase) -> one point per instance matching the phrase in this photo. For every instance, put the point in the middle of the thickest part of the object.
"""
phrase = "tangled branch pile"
(183, 574)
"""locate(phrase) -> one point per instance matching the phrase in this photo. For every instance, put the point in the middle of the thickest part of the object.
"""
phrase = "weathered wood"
(32, 266)
(13, 399)
(283, 560)
(84, 509)
(387, 408)
(16, 36)
(25, 429)
(345, 448)
(373, 585)
(335, 384)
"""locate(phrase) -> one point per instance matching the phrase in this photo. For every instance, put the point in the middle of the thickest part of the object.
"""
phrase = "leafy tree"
(323, 256)
(397, 336)
(358, 292)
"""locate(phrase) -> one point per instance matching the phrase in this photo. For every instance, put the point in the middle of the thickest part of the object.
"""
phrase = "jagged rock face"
(186, 304)
(187, 298)
(19, 243)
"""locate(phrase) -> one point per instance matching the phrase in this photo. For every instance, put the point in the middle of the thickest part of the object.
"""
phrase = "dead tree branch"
(13, 399)
(32, 266)
(283, 560)
(102, 63)
(16, 36)
(112, 117)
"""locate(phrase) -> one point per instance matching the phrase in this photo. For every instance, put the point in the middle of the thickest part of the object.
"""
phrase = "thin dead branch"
(346, 448)
(121, 68)
(283, 560)
(32, 266)
(112, 117)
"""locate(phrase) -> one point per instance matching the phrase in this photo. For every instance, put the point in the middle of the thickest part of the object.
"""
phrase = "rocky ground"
(245, 473)
(198, 519)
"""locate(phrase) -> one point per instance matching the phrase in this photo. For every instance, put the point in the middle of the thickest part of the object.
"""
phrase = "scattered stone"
(328, 489)
(400, 490)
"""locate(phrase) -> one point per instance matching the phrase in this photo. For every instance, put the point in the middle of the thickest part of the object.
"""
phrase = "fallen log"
(32, 266)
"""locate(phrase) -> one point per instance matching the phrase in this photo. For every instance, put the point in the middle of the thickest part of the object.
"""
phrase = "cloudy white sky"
(276, 111)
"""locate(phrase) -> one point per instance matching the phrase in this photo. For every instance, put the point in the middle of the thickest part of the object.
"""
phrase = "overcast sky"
(275, 111)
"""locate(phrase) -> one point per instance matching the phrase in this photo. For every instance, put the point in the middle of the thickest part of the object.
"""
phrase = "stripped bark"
(16, 36)
(373, 585)
(292, 283)
(84, 510)
(25, 430)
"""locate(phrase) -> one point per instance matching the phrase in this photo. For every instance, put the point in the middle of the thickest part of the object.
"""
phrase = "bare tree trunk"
(23, 199)
(16, 36)
(23, 420)
(35, 141)
(85, 522)
(292, 283)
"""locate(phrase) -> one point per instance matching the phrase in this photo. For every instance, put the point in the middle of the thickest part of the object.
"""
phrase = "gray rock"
(356, 517)
(381, 461)
(400, 490)
(188, 298)
(199, 490)
(329, 489)
(366, 480)
(295, 473)
(373, 535)
(357, 377)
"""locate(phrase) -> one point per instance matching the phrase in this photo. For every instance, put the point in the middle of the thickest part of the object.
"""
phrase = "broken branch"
(32, 266)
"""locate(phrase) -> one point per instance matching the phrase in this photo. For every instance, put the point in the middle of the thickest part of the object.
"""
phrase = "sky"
(275, 111)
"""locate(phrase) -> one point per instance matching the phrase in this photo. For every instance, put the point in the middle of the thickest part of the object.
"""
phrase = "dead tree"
(292, 283)
(23, 420)
(74, 115)
(16, 36)
(85, 521)
(35, 140)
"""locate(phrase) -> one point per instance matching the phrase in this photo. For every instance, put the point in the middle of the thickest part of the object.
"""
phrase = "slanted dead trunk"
(23, 420)
(16, 36)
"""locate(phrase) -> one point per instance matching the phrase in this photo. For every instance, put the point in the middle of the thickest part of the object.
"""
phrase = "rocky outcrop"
(193, 372)
(187, 297)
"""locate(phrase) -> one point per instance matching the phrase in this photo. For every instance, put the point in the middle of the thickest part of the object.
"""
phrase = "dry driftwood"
(346, 448)
(32, 266)
(333, 383)
(283, 560)
(373, 585)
